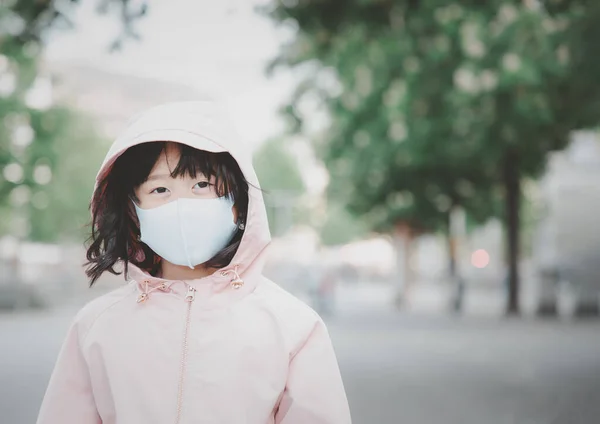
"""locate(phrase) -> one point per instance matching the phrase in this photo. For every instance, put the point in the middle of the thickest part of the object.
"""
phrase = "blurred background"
(431, 172)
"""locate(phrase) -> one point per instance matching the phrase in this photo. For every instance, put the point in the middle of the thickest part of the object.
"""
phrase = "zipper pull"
(191, 294)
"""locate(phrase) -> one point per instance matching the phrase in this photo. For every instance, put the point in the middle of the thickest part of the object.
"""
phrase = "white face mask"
(188, 231)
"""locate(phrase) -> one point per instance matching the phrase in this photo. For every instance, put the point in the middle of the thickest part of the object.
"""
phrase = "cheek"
(235, 214)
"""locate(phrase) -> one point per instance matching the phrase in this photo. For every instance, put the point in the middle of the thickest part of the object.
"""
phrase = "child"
(198, 335)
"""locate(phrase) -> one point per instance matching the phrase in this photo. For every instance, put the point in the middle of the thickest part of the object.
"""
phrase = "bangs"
(193, 162)
(228, 178)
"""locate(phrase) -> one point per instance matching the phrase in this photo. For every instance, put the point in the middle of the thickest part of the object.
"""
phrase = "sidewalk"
(426, 297)
(422, 298)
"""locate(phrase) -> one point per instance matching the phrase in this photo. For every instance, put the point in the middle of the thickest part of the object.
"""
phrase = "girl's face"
(161, 188)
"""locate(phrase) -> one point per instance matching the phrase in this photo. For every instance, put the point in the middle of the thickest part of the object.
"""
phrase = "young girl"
(198, 335)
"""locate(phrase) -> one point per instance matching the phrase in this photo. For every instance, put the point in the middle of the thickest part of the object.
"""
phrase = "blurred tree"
(59, 208)
(27, 20)
(35, 135)
(28, 121)
(436, 104)
(340, 226)
(48, 174)
(279, 174)
(277, 168)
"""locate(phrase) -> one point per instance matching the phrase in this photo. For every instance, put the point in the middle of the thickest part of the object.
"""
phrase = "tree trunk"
(452, 256)
(512, 186)
(402, 238)
(456, 239)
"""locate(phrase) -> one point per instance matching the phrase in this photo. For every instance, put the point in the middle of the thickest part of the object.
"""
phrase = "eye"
(160, 190)
(202, 184)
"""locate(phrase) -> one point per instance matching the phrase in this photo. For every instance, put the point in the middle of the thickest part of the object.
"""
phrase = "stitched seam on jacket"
(305, 341)
(312, 312)
(110, 306)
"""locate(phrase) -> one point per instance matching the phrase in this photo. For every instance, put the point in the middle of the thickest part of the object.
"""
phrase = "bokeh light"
(480, 258)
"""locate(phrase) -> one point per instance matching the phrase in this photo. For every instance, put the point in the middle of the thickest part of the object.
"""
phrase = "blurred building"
(566, 248)
(111, 98)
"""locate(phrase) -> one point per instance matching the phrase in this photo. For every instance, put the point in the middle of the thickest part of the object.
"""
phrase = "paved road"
(411, 369)
(398, 368)
(29, 344)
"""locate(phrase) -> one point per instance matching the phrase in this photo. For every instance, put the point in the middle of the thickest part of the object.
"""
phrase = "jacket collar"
(225, 285)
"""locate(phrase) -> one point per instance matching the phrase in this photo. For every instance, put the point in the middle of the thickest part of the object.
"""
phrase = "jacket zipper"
(189, 298)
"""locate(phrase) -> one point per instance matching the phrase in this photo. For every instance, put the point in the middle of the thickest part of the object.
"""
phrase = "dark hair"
(115, 228)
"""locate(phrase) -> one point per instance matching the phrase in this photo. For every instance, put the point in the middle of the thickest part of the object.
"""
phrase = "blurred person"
(198, 334)
(325, 292)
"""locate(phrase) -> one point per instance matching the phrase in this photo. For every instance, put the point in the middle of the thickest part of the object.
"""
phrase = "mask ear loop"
(133, 200)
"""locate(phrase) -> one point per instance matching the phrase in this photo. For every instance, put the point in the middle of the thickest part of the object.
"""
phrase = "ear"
(235, 214)
(239, 220)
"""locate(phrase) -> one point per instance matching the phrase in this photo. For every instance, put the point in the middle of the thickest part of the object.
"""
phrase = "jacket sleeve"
(69, 397)
(314, 393)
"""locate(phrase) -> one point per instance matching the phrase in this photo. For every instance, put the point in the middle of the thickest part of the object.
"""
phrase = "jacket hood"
(204, 126)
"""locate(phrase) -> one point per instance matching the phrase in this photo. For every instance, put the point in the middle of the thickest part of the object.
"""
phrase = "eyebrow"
(158, 177)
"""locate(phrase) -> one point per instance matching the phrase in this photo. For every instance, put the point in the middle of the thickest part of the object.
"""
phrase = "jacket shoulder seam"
(102, 312)
(305, 341)
(302, 305)
(316, 318)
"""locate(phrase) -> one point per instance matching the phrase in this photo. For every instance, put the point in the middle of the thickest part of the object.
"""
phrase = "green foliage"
(281, 180)
(59, 210)
(58, 171)
(26, 132)
(437, 101)
(341, 227)
(30, 21)
(276, 167)
(47, 154)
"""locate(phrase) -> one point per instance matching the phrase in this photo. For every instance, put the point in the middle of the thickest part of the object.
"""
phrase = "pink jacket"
(231, 348)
